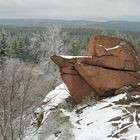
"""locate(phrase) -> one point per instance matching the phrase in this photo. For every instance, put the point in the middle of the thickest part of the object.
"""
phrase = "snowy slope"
(113, 118)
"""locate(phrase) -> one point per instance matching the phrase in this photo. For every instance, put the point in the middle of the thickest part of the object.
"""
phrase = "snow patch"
(70, 57)
(108, 49)
(136, 96)
(122, 43)
(56, 96)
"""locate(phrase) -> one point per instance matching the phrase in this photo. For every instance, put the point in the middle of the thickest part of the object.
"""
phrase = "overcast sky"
(72, 9)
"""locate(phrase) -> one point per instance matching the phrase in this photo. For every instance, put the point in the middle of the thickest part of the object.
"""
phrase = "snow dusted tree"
(53, 44)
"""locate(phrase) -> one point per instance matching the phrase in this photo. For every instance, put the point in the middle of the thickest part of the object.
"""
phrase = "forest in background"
(27, 73)
(20, 42)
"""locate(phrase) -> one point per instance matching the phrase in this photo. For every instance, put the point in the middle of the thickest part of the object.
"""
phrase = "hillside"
(115, 25)
(113, 118)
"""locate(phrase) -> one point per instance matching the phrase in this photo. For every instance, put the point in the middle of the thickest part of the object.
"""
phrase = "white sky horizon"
(91, 10)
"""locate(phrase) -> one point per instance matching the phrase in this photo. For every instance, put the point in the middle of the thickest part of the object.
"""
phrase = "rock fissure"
(123, 70)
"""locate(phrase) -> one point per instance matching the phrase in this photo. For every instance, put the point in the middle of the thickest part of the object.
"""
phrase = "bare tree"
(15, 94)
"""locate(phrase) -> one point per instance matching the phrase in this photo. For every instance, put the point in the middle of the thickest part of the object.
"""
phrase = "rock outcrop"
(111, 63)
(112, 118)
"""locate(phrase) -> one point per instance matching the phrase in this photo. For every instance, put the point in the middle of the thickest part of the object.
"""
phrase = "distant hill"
(117, 25)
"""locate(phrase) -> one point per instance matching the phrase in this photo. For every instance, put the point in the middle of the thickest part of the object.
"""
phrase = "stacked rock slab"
(111, 52)
(111, 63)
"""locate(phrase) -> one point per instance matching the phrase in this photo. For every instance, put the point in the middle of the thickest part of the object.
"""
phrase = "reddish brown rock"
(77, 86)
(103, 80)
(113, 53)
(63, 62)
(68, 70)
(104, 41)
(111, 64)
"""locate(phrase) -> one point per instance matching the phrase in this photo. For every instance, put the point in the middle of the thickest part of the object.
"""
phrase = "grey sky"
(71, 9)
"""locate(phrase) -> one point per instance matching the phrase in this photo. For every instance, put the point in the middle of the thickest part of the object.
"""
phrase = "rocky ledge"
(111, 118)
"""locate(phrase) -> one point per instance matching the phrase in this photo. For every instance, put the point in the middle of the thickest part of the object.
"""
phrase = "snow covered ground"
(112, 118)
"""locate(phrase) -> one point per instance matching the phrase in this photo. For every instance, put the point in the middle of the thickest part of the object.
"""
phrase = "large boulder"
(111, 63)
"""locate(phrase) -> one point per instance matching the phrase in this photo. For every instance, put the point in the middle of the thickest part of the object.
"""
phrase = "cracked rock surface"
(111, 63)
